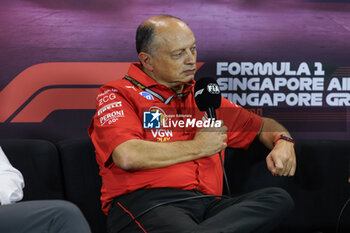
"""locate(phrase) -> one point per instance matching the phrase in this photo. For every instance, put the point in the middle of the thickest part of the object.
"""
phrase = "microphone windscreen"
(207, 94)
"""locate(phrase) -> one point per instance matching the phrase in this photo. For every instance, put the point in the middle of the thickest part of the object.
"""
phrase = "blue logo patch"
(147, 95)
(151, 120)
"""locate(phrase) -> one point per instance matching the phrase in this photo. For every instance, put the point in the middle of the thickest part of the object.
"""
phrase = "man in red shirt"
(157, 161)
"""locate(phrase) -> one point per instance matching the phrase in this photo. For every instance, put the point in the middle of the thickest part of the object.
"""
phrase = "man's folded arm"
(138, 154)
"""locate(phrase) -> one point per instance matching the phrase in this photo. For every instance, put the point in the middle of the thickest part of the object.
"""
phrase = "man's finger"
(279, 166)
(270, 165)
(223, 129)
(292, 170)
(288, 166)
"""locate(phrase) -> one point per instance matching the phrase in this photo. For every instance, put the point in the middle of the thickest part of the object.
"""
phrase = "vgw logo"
(152, 119)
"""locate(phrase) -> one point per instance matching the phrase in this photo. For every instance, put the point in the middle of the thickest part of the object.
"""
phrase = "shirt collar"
(137, 73)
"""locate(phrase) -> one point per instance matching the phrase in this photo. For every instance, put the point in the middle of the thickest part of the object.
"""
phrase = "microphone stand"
(212, 117)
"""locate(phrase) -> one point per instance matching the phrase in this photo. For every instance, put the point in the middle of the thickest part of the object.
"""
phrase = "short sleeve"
(11, 181)
(114, 122)
(243, 125)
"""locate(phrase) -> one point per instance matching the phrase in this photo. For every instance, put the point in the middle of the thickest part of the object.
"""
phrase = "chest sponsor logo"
(106, 92)
(109, 106)
(106, 98)
(161, 133)
(131, 87)
(112, 117)
(146, 95)
(162, 112)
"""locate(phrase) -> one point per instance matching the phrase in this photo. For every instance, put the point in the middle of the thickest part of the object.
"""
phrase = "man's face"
(174, 60)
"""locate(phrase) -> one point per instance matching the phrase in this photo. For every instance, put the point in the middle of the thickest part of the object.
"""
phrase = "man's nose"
(190, 57)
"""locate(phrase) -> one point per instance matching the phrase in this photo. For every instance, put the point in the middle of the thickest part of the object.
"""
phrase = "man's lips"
(189, 72)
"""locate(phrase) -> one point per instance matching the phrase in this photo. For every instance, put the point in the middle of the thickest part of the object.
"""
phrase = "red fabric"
(119, 117)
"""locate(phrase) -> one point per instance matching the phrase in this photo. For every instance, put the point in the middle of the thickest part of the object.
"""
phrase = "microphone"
(207, 96)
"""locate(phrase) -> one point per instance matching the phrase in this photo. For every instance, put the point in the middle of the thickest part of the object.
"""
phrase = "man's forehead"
(170, 33)
(175, 40)
(168, 25)
(174, 32)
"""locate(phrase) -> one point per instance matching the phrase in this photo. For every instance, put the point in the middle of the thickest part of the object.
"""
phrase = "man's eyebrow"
(180, 49)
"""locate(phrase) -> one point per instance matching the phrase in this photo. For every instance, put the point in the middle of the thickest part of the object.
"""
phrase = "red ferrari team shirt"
(125, 112)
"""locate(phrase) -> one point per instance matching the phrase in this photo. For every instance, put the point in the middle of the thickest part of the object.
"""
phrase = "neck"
(177, 88)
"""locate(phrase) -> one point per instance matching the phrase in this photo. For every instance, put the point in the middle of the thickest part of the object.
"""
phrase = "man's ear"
(146, 60)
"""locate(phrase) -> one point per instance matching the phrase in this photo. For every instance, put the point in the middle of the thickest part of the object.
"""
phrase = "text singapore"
(274, 99)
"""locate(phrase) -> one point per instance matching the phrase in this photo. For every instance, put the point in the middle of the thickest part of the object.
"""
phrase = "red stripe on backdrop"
(55, 99)
(36, 77)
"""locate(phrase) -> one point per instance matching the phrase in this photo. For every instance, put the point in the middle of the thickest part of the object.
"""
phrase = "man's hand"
(281, 160)
(211, 140)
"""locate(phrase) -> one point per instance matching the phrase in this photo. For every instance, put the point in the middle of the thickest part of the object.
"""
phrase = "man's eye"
(178, 54)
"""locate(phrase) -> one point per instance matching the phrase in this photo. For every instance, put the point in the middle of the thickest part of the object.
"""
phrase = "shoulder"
(120, 87)
(116, 84)
(118, 90)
